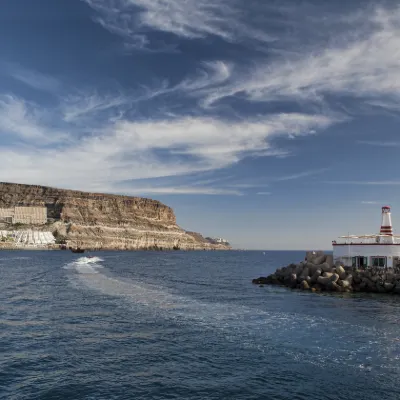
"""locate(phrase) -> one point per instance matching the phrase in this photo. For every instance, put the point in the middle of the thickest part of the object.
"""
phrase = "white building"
(379, 250)
(28, 238)
(24, 215)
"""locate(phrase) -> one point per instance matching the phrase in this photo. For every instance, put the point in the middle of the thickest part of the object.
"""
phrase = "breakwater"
(318, 273)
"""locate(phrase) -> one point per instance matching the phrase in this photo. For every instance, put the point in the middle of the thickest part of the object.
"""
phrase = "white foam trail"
(248, 326)
(85, 265)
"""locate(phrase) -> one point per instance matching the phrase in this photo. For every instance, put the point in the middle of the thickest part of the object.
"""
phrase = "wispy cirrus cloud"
(34, 79)
(191, 19)
(299, 175)
(190, 190)
(380, 143)
(24, 121)
(126, 150)
(369, 183)
(362, 61)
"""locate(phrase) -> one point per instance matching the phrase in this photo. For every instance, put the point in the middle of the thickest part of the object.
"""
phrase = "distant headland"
(37, 217)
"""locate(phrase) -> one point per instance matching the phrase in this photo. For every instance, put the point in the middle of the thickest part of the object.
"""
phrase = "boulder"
(341, 272)
(345, 284)
(338, 264)
(304, 273)
(329, 260)
(325, 267)
(334, 286)
(334, 278)
(388, 286)
(304, 285)
(312, 268)
(389, 277)
(327, 274)
(260, 281)
(299, 269)
(316, 275)
(323, 280)
(356, 278)
(349, 278)
(319, 259)
(366, 283)
(380, 288)
(312, 256)
(375, 278)
(397, 288)
(293, 280)
(316, 287)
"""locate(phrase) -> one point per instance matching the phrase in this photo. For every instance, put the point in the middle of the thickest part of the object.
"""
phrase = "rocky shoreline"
(318, 273)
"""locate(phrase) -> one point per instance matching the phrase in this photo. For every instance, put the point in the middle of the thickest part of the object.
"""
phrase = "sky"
(272, 124)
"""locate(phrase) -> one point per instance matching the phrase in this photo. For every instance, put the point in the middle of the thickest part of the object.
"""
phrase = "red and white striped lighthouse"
(386, 226)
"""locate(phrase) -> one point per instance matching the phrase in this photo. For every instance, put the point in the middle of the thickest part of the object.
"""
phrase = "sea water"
(186, 325)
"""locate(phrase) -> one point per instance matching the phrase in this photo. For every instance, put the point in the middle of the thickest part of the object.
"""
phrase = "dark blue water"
(186, 326)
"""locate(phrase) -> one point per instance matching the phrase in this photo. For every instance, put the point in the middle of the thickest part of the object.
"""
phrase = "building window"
(378, 261)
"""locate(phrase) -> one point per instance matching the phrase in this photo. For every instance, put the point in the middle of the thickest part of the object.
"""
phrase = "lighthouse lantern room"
(377, 250)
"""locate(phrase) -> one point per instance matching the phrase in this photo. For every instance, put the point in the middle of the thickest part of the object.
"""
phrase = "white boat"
(362, 251)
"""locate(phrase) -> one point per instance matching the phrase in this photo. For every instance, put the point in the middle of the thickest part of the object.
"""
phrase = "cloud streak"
(125, 150)
(378, 143)
(363, 63)
(23, 121)
(189, 19)
(34, 79)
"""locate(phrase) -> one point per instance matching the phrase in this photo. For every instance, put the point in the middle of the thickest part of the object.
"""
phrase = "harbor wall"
(318, 273)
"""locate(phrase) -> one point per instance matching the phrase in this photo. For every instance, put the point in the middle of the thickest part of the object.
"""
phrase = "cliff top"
(49, 189)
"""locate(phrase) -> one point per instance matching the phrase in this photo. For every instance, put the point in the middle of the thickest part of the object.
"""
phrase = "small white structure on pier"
(361, 251)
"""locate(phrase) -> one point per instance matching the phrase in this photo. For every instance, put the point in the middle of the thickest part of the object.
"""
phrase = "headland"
(40, 217)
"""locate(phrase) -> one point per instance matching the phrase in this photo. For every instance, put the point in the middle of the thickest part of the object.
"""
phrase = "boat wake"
(85, 265)
(245, 326)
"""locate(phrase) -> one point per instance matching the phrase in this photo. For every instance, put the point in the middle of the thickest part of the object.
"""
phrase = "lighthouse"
(363, 251)
(386, 226)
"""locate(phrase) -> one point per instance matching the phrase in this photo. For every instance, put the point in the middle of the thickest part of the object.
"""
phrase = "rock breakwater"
(318, 273)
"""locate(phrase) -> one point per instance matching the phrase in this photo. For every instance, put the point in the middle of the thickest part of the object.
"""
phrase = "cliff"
(104, 221)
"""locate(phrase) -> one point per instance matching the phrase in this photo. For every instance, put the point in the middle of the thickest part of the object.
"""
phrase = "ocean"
(186, 325)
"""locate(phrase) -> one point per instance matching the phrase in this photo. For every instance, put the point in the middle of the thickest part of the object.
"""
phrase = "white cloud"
(31, 78)
(363, 62)
(378, 143)
(25, 121)
(85, 105)
(299, 175)
(372, 183)
(183, 18)
(182, 190)
(264, 193)
(126, 150)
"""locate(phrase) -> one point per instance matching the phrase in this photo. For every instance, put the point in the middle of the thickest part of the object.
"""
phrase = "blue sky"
(274, 124)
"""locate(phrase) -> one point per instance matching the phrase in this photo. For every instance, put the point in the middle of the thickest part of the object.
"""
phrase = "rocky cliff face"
(105, 221)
